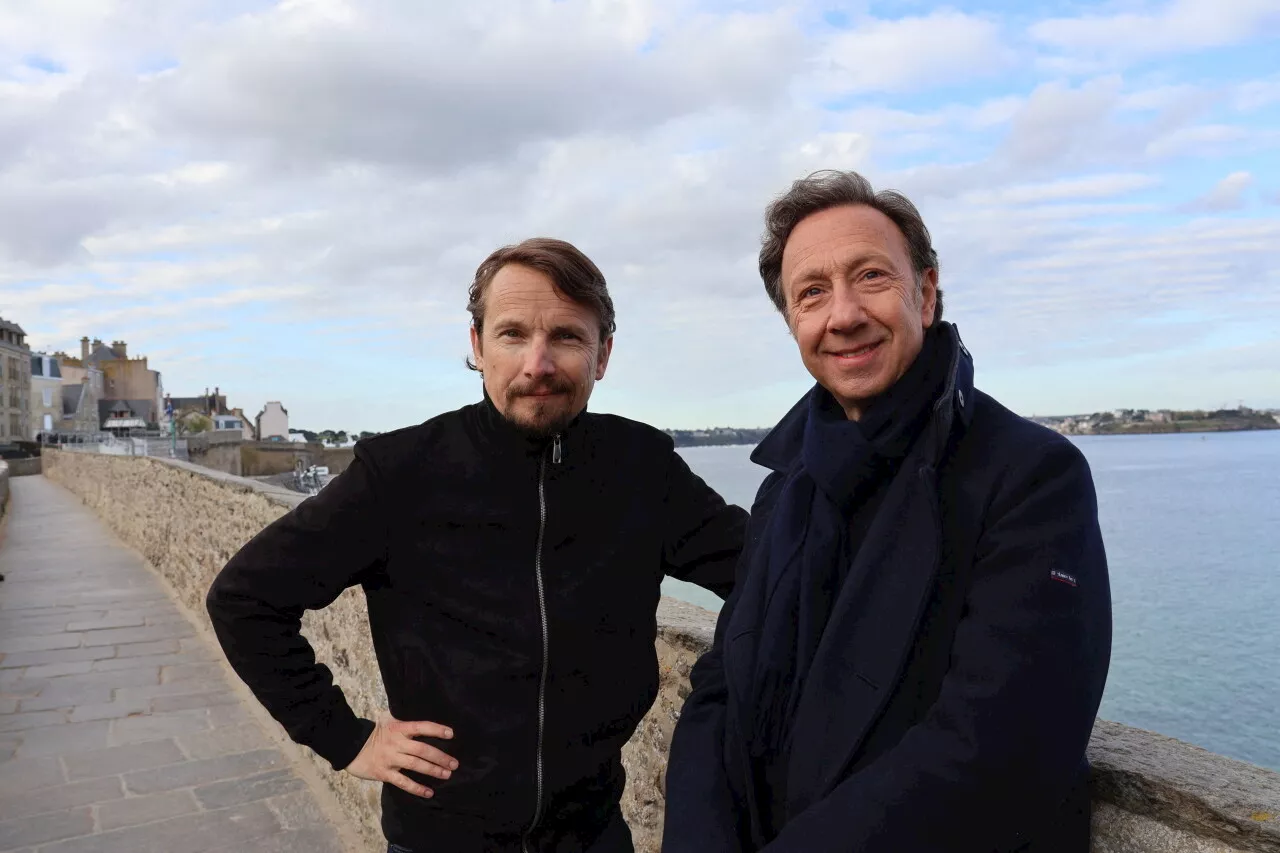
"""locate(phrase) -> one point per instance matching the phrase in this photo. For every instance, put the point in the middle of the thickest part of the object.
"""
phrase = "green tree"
(194, 424)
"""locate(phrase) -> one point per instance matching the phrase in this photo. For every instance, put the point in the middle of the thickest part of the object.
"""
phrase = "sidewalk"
(120, 731)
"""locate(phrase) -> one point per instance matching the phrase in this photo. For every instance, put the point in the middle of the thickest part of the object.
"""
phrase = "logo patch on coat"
(1063, 577)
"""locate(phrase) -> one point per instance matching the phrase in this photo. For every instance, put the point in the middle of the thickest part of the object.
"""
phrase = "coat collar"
(781, 447)
(492, 427)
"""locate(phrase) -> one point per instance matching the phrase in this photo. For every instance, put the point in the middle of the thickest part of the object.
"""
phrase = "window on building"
(48, 423)
(48, 397)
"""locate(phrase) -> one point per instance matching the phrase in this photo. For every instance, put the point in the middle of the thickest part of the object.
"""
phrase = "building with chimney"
(15, 383)
(128, 383)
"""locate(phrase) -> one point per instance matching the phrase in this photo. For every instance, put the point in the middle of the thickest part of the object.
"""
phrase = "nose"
(537, 361)
(847, 310)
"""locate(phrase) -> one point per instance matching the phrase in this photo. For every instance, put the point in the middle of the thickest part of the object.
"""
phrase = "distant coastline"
(1117, 422)
(717, 437)
(1162, 421)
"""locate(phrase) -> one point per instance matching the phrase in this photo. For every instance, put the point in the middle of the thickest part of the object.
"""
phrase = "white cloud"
(1227, 194)
(1093, 186)
(1256, 94)
(395, 84)
(1200, 140)
(1058, 122)
(291, 175)
(908, 53)
(1178, 25)
(195, 173)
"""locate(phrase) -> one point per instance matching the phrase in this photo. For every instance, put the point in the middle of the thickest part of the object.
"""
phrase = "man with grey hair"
(920, 630)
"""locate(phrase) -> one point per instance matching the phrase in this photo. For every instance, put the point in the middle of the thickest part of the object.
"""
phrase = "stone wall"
(1151, 793)
(264, 458)
(24, 467)
(220, 457)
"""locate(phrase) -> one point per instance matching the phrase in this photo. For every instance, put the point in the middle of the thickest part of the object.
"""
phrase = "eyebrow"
(501, 323)
(861, 260)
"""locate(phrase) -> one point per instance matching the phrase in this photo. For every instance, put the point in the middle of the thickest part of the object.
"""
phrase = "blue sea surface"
(1192, 529)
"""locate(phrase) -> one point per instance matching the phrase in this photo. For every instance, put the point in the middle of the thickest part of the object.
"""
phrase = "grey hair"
(824, 190)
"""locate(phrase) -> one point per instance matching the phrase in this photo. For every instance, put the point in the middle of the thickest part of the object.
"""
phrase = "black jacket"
(952, 697)
(510, 583)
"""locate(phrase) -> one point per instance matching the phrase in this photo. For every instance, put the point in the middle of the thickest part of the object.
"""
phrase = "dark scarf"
(806, 545)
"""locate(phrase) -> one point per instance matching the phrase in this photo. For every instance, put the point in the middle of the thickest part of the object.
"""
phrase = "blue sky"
(287, 200)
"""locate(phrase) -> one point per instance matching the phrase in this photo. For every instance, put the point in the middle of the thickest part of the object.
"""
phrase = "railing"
(158, 447)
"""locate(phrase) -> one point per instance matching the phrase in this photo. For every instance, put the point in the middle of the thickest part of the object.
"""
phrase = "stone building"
(46, 394)
(125, 380)
(15, 383)
(273, 422)
(80, 402)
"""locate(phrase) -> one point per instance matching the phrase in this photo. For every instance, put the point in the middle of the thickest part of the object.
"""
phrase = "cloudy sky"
(287, 199)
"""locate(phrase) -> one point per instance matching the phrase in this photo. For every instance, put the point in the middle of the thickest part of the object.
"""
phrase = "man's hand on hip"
(392, 748)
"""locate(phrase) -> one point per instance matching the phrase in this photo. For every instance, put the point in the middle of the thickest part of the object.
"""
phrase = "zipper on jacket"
(556, 456)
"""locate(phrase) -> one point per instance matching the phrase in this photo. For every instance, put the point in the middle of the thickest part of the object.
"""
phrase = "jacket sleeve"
(301, 561)
(704, 534)
(1003, 743)
(702, 813)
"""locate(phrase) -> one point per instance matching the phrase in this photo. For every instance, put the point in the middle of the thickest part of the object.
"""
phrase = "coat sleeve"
(1004, 741)
(703, 533)
(702, 813)
(301, 561)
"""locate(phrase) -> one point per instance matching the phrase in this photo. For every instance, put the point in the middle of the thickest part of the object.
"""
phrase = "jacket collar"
(492, 427)
(781, 447)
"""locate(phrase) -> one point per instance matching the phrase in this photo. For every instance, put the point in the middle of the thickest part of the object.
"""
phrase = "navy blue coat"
(951, 699)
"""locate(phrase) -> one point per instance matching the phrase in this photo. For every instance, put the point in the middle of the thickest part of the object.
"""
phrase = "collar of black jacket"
(779, 449)
(494, 428)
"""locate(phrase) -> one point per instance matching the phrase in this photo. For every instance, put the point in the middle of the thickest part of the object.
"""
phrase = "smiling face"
(853, 303)
(539, 352)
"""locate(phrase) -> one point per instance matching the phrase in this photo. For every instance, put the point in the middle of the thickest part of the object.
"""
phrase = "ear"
(928, 296)
(476, 355)
(606, 349)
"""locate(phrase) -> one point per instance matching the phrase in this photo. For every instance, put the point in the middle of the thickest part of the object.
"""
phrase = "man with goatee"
(511, 554)
(917, 643)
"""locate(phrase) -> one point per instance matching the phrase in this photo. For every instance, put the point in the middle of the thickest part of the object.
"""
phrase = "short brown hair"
(574, 275)
(824, 190)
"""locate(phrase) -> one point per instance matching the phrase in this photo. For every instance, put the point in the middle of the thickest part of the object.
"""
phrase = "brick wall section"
(1151, 793)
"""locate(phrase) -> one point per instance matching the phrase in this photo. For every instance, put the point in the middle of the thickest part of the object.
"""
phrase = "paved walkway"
(119, 729)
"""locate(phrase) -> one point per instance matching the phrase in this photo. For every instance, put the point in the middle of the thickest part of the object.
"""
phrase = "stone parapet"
(27, 467)
(1151, 793)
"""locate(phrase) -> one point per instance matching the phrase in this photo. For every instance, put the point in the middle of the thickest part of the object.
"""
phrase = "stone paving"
(120, 731)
